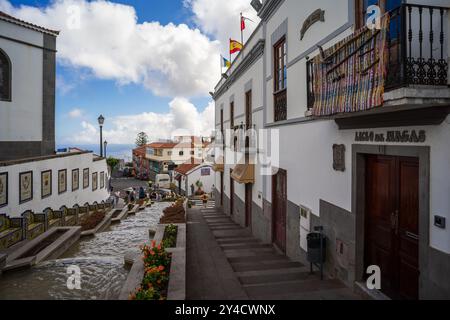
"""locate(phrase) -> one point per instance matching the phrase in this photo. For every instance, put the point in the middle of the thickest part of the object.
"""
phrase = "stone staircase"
(266, 274)
(199, 204)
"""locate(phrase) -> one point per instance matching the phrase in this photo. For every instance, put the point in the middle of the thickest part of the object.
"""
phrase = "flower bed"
(155, 283)
(170, 236)
(175, 213)
(92, 221)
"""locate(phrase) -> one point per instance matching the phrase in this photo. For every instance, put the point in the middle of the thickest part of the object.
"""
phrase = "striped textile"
(352, 76)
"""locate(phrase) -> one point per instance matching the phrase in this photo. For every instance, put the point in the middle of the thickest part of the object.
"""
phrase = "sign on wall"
(94, 181)
(85, 178)
(206, 172)
(62, 181)
(46, 184)
(405, 136)
(316, 16)
(339, 157)
(75, 179)
(25, 186)
(102, 180)
(3, 189)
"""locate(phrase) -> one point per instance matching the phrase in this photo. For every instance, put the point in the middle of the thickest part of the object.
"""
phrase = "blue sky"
(149, 70)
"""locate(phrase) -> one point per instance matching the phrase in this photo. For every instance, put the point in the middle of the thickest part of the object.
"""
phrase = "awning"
(219, 166)
(244, 173)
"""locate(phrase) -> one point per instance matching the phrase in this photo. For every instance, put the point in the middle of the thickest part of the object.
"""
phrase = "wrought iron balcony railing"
(418, 46)
(280, 107)
(416, 38)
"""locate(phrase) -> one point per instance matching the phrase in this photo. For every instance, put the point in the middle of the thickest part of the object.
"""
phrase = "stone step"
(258, 266)
(274, 277)
(275, 290)
(238, 241)
(221, 223)
(274, 271)
(233, 253)
(259, 258)
(243, 246)
(230, 233)
(226, 228)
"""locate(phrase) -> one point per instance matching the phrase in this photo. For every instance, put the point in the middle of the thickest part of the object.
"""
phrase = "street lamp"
(101, 121)
(105, 144)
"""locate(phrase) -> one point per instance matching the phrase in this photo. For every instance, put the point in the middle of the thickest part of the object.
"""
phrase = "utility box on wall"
(305, 226)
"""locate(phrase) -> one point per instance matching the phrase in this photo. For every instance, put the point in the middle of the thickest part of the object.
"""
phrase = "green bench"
(33, 224)
(70, 216)
(55, 218)
(11, 231)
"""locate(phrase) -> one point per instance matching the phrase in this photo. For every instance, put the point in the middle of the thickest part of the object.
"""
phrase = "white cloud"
(105, 37)
(76, 113)
(183, 118)
(221, 19)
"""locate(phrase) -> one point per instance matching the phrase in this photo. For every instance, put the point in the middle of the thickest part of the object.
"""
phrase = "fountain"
(99, 258)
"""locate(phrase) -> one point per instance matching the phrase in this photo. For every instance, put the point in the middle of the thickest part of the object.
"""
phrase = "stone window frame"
(7, 95)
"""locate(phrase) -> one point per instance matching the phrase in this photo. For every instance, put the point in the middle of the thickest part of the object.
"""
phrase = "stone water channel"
(100, 259)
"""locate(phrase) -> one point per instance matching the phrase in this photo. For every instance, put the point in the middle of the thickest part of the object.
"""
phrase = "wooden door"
(248, 205)
(231, 195)
(279, 207)
(392, 225)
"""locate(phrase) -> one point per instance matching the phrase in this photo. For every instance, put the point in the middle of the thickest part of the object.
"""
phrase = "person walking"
(141, 193)
(116, 198)
(192, 190)
(205, 200)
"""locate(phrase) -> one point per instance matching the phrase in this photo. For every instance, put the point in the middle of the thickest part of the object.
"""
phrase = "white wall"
(195, 175)
(306, 148)
(21, 119)
(55, 201)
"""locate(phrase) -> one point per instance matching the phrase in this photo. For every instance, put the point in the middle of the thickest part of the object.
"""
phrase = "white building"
(32, 175)
(374, 173)
(189, 173)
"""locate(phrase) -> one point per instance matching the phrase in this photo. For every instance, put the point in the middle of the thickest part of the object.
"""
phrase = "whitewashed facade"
(27, 128)
(335, 198)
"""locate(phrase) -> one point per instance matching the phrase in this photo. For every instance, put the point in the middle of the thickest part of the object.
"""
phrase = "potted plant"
(199, 191)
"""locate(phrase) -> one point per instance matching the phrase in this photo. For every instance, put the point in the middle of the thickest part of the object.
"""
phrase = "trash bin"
(316, 254)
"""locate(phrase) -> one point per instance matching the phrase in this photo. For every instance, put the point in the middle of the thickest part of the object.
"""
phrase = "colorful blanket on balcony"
(350, 76)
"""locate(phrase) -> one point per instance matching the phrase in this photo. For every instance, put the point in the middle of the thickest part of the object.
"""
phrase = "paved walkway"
(224, 262)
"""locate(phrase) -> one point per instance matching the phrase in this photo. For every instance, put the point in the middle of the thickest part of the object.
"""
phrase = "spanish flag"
(235, 46)
(225, 63)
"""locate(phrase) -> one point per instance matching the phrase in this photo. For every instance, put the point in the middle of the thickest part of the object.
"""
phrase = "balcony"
(280, 105)
(401, 68)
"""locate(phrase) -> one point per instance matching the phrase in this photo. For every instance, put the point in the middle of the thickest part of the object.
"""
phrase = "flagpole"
(242, 36)
(230, 51)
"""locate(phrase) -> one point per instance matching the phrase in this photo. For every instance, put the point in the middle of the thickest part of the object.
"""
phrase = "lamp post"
(105, 144)
(101, 121)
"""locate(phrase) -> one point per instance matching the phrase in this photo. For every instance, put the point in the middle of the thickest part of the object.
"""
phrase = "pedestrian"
(192, 190)
(204, 199)
(116, 198)
(141, 193)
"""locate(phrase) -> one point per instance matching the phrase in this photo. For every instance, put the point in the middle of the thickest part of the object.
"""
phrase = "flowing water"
(100, 259)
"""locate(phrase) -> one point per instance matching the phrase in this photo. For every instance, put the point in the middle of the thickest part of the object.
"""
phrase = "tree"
(142, 139)
(112, 162)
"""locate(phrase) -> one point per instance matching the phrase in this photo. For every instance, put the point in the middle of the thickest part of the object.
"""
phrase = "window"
(169, 153)
(181, 153)
(280, 75)
(232, 115)
(5, 77)
(248, 109)
(280, 81)
(362, 5)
